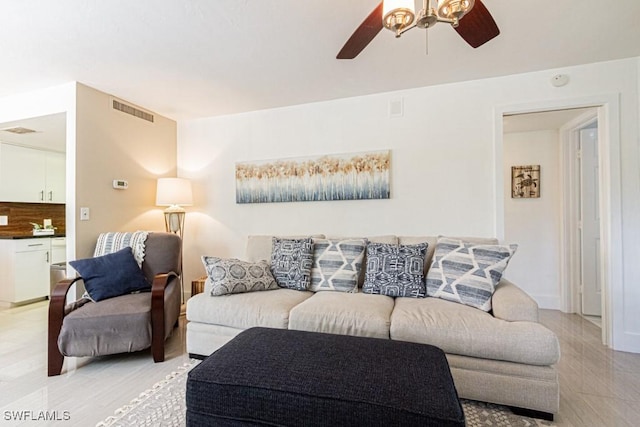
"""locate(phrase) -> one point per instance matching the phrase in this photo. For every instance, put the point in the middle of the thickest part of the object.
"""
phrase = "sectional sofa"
(504, 356)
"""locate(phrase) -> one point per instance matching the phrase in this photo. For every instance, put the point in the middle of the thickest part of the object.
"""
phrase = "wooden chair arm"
(158, 286)
(56, 316)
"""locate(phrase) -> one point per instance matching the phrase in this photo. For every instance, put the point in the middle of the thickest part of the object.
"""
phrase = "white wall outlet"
(4, 220)
(84, 214)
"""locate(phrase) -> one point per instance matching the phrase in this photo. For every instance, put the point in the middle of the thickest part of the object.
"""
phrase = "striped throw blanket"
(112, 242)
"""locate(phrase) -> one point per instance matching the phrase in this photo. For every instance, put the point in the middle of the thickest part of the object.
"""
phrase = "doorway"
(607, 106)
(564, 238)
(33, 195)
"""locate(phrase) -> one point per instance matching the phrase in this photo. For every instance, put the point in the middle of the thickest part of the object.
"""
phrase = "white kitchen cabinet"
(55, 176)
(58, 249)
(31, 175)
(22, 174)
(24, 267)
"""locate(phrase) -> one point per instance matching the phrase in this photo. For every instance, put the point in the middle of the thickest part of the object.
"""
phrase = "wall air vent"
(128, 109)
(18, 130)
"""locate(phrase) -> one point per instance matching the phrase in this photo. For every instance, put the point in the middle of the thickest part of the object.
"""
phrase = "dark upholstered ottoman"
(293, 378)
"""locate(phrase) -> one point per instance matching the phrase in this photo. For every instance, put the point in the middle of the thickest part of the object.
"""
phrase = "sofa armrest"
(511, 303)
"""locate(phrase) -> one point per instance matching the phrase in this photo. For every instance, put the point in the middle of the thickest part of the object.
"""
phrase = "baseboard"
(548, 302)
(627, 341)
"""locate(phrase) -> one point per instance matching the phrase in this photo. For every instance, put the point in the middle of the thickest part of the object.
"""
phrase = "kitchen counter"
(27, 236)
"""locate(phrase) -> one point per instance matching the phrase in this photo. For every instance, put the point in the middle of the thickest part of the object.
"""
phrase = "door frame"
(608, 112)
(570, 251)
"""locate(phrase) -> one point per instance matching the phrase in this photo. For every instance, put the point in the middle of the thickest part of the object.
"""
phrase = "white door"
(590, 223)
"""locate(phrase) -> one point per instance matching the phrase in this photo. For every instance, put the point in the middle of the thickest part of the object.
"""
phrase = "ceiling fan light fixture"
(454, 10)
(398, 15)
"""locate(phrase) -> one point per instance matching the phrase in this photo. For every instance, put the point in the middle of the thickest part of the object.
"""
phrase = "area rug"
(164, 405)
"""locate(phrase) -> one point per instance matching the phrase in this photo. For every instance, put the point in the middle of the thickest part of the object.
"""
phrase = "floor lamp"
(175, 193)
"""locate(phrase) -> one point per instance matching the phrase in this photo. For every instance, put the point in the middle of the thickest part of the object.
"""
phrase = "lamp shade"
(174, 192)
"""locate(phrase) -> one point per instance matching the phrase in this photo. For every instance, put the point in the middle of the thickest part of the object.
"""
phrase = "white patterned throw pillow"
(337, 264)
(467, 273)
(233, 276)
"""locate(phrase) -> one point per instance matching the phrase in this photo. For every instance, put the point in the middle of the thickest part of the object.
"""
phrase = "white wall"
(103, 144)
(113, 145)
(534, 224)
(57, 99)
(444, 169)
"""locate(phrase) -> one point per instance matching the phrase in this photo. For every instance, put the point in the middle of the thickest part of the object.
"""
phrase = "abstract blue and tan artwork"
(351, 176)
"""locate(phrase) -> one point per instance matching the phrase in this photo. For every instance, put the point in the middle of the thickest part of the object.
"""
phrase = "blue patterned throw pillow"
(111, 275)
(395, 270)
(291, 261)
(467, 273)
(233, 276)
(337, 264)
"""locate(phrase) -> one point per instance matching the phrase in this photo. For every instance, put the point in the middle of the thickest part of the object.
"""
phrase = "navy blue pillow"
(111, 275)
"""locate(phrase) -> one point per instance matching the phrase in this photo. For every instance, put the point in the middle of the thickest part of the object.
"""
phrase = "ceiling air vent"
(18, 130)
(128, 109)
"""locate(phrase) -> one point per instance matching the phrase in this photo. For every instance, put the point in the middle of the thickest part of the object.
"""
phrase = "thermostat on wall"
(120, 184)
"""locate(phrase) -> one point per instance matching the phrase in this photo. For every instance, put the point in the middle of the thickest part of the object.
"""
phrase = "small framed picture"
(525, 182)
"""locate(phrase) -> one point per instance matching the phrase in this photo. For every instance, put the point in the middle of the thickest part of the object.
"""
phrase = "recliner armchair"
(126, 323)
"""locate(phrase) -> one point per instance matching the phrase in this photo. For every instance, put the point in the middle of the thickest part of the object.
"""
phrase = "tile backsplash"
(20, 215)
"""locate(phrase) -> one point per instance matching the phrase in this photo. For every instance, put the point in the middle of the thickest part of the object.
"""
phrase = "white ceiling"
(198, 58)
(50, 132)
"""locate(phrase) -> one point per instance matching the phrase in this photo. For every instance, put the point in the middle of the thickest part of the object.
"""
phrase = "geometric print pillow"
(291, 261)
(337, 264)
(395, 270)
(467, 273)
(233, 276)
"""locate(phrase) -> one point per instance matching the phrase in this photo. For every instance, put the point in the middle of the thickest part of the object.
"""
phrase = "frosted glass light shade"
(174, 192)
(397, 14)
(391, 5)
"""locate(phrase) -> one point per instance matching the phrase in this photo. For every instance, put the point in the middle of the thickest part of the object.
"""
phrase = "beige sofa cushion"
(387, 238)
(343, 313)
(467, 331)
(266, 308)
(259, 247)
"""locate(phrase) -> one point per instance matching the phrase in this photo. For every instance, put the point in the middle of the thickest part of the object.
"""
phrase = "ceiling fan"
(470, 18)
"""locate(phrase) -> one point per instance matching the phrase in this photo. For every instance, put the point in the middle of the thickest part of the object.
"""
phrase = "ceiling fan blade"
(369, 28)
(477, 27)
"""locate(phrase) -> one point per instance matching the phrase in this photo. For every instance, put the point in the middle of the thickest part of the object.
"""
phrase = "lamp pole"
(175, 193)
